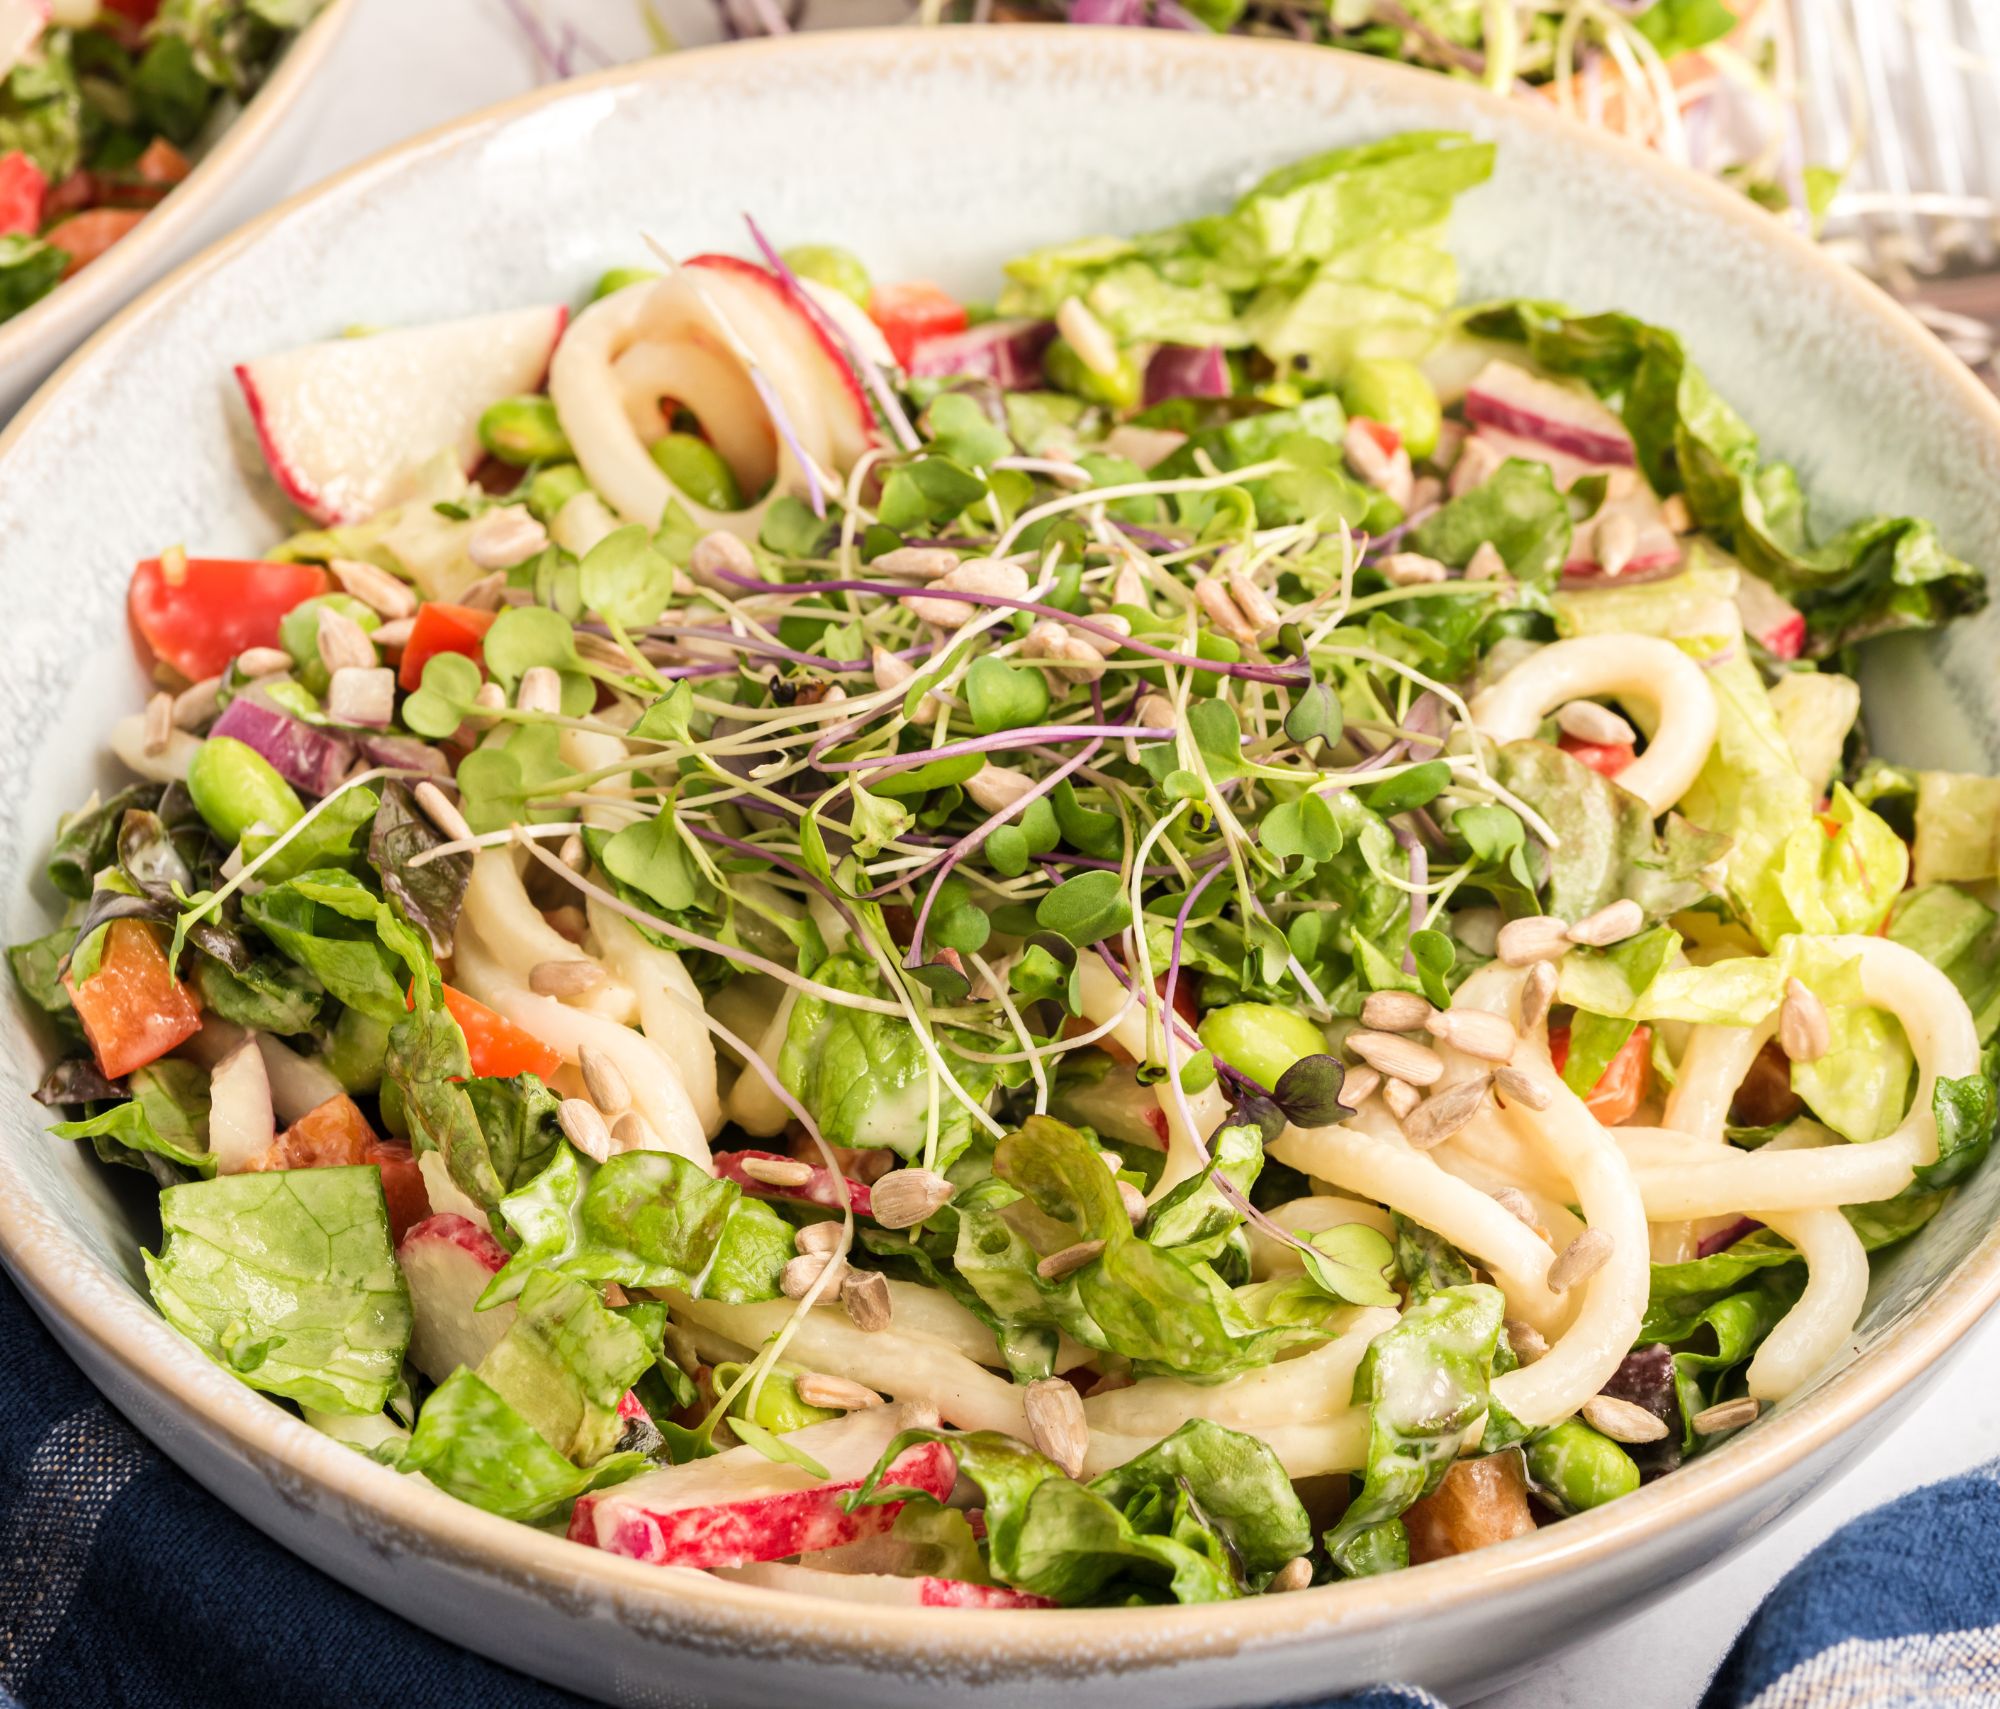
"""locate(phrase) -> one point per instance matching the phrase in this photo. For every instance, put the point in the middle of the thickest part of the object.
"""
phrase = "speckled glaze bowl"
(932, 154)
(242, 171)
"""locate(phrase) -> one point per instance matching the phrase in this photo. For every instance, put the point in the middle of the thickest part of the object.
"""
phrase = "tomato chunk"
(910, 313)
(402, 1186)
(1607, 758)
(22, 190)
(199, 613)
(132, 1007)
(498, 1049)
(442, 629)
(84, 237)
(1622, 1087)
(332, 1135)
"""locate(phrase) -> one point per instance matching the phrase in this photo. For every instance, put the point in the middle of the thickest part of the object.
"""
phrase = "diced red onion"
(1187, 371)
(1007, 352)
(314, 760)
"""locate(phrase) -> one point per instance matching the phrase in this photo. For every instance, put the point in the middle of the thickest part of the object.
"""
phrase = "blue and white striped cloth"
(123, 1585)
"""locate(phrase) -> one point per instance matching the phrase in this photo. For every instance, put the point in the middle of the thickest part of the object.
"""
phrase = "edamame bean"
(778, 1407)
(1066, 371)
(523, 430)
(235, 787)
(1003, 698)
(697, 469)
(298, 634)
(827, 264)
(1260, 1039)
(619, 277)
(1573, 1468)
(1398, 394)
(552, 488)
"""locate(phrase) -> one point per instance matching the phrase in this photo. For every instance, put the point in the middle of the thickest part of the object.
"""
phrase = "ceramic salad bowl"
(935, 154)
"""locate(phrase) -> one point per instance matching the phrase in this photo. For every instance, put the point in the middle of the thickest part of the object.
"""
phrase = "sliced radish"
(241, 1121)
(740, 1507)
(1516, 401)
(819, 1190)
(1007, 352)
(1487, 448)
(693, 340)
(1769, 618)
(447, 1261)
(882, 1589)
(346, 426)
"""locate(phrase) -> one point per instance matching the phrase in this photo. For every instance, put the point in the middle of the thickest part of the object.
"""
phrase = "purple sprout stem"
(858, 359)
(1420, 871)
(767, 394)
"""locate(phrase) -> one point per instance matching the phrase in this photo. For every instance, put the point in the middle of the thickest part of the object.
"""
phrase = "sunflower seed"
(778, 1171)
(1128, 587)
(1538, 937)
(437, 807)
(1589, 722)
(1069, 1260)
(1528, 1342)
(1518, 1205)
(584, 1127)
(799, 1275)
(632, 1132)
(837, 1394)
(993, 576)
(818, 1238)
(1581, 1259)
(1057, 1423)
(1401, 1097)
(1252, 601)
(564, 978)
(1520, 1088)
(997, 787)
(1725, 1415)
(1295, 1574)
(925, 563)
(195, 706)
(1403, 1058)
(1223, 612)
(158, 728)
(1357, 1085)
(263, 661)
(1675, 514)
(1438, 1117)
(1804, 1032)
(1396, 1011)
(375, 588)
(718, 552)
(1411, 569)
(603, 1080)
(1538, 991)
(1609, 925)
(343, 644)
(865, 1294)
(540, 690)
(498, 541)
(905, 1197)
(1622, 1420)
(1616, 538)
(1477, 1032)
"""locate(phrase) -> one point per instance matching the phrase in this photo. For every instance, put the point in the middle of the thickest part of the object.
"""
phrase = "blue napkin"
(124, 1585)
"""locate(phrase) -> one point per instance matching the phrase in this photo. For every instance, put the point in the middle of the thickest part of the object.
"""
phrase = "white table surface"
(411, 64)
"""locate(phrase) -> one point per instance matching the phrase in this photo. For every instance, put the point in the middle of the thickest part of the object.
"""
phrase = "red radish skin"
(1515, 401)
(1769, 618)
(883, 1589)
(447, 1261)
(23, 195)
(1007, 352)
(292, 394)
(820, 1190)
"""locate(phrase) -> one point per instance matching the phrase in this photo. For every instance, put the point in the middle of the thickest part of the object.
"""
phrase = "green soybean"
(1398, 394)
(234, 787)
(1121, 389)
(619, 277)
(524, 430)
(1574, 1468)
(697, 469)
(298, 634)
(1003, 698)
(1260, 1039)
(552, 488)
(827, 264)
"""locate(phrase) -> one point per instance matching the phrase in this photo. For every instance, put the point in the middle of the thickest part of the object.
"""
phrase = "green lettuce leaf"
(565, 1364)
(167, 1117)
(287, 1279)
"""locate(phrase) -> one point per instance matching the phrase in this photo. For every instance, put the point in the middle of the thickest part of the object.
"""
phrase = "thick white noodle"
(1270, 1256)
(1103, 998)
(498, 908)
(1710, 1070)
(1946, 1045)
(1654, 673)
(1387, 1169)
(670, 1007)
(1551, 1211)
(656, 1089)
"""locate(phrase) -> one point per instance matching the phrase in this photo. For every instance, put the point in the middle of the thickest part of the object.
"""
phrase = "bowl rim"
(97, 1307)
(83, 302)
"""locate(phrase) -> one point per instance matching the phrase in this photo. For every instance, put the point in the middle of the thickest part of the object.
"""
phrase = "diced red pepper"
(1622, 1087)
(1606, 758)
(1386, 438)
(497, 1048)
(145, 183)
(199, 613)
(441, 628)
(135, 11)
(84, 237)
(132, 1007)
(913, 312)
(23, 191)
